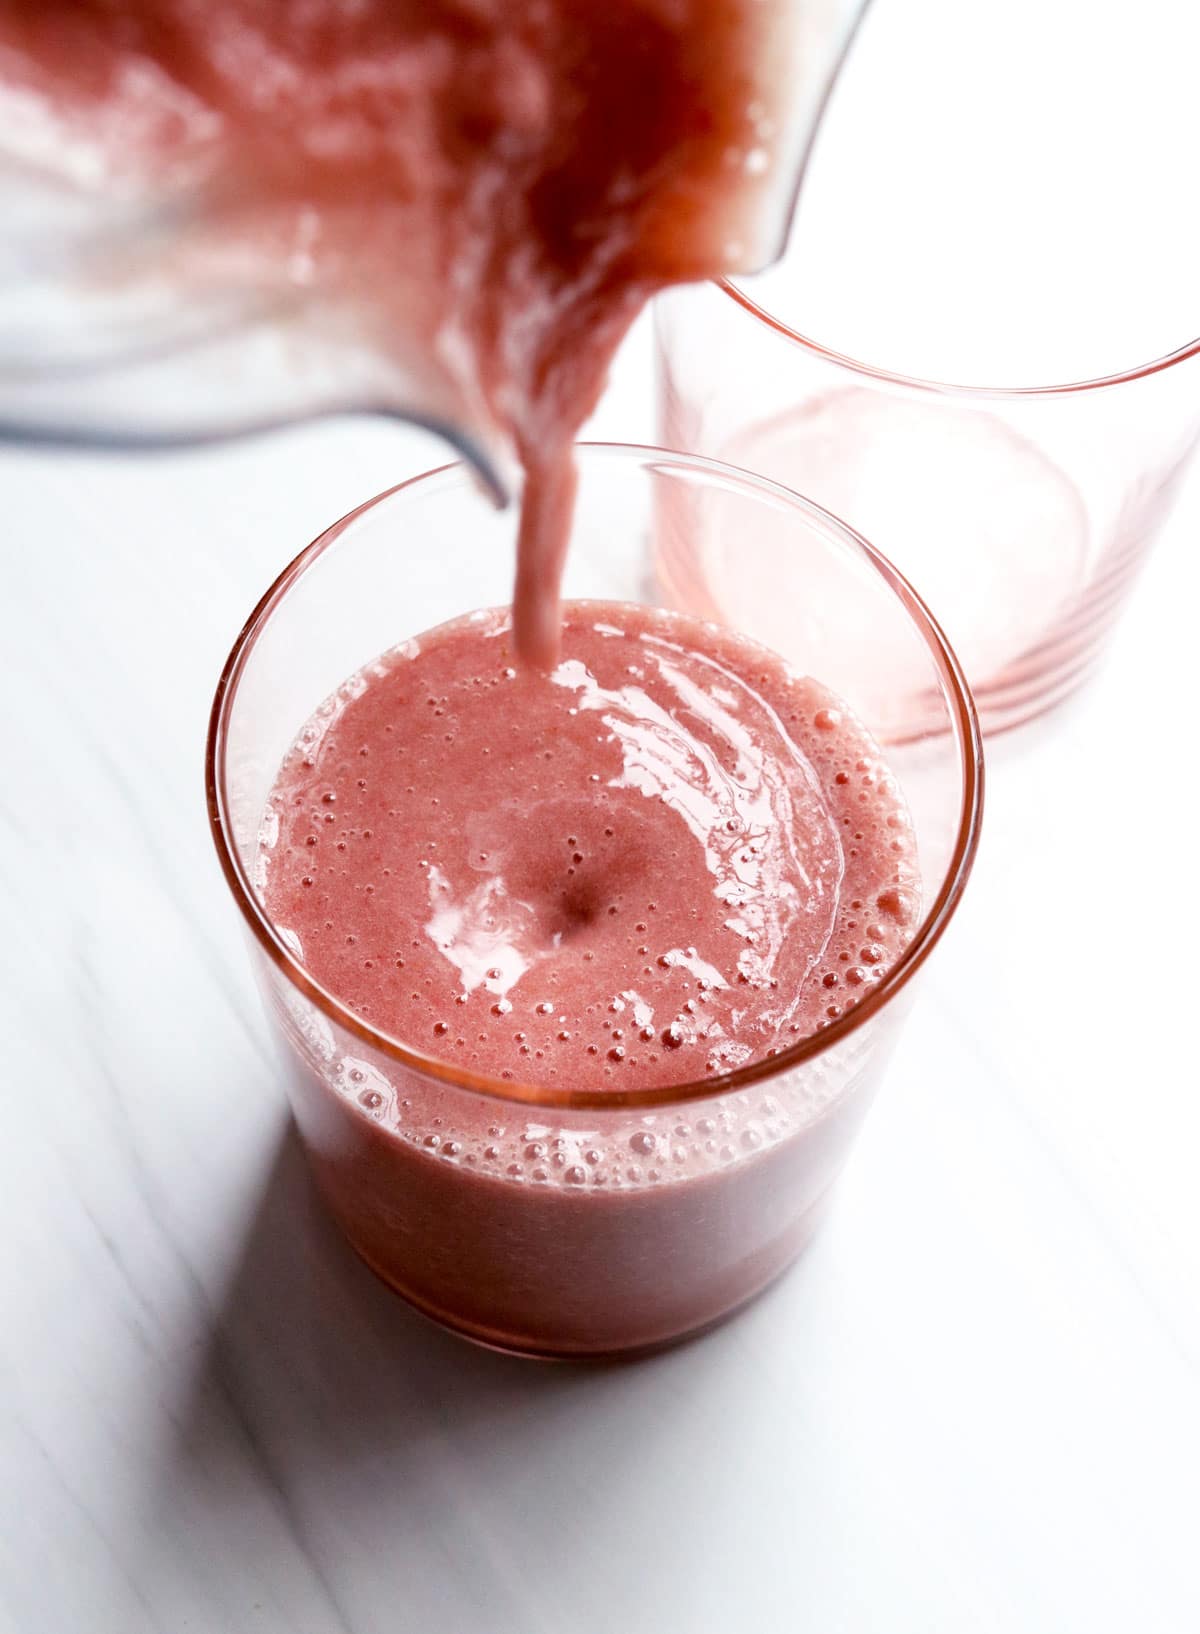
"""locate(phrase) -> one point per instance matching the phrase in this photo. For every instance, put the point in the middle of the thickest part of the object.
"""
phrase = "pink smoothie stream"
(669, 857)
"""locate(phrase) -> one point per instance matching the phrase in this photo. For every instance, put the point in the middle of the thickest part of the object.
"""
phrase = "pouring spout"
(493, 473)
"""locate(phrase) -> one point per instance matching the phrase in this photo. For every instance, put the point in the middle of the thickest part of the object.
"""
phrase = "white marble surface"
(974, 1405)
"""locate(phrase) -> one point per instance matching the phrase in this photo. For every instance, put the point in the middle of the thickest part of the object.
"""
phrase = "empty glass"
(1006, 223)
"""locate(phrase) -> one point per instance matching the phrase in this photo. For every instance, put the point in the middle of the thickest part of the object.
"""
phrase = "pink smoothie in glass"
(667, 858)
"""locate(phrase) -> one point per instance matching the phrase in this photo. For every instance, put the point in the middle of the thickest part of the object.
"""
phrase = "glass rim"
(894, 377)
(934, 918)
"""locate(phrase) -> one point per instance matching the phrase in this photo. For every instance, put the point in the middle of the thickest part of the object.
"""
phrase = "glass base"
(530, 1350)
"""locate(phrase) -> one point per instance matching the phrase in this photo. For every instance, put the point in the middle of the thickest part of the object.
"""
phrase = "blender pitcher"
(187, 254)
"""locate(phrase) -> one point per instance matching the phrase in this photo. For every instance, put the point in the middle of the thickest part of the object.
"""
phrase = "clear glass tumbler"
(979, 348)
(542, 1221)
(1023, 515)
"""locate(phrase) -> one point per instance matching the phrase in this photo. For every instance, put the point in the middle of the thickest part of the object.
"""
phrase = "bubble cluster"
(598, 1152)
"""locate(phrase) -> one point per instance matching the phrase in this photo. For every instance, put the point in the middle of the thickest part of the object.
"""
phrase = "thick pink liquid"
(482, 193)
(667, 858)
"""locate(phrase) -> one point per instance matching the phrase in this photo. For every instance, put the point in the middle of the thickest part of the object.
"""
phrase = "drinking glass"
(548, 1221)
(1015, 222)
